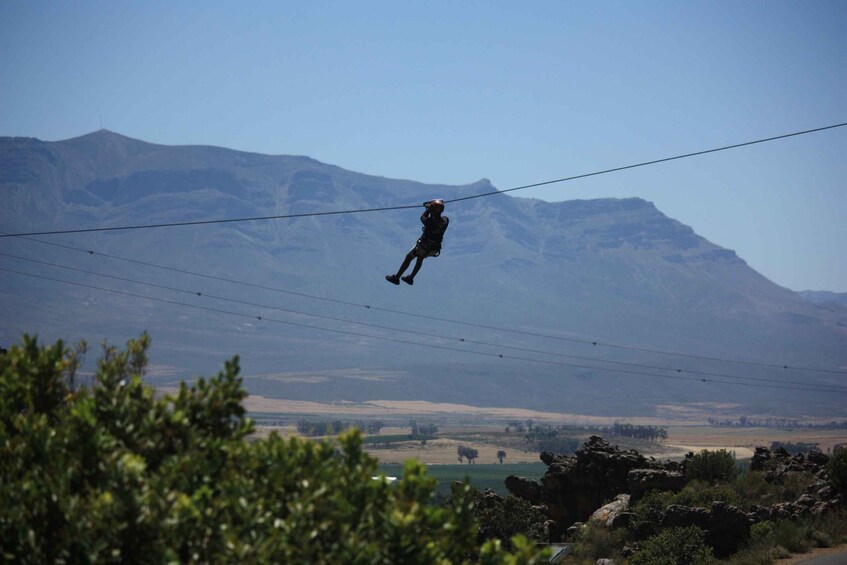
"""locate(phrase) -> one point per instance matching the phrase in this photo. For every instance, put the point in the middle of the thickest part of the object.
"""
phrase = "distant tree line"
(417, 430)
(647, 433)
(745, 422)
(335, 427)
(552, 439)
(519, 426)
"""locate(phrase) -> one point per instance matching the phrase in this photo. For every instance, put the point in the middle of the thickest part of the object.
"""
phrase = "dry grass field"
(744, 440)
(481, 428)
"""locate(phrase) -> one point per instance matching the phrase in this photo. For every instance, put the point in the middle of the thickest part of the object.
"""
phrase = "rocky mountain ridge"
(605, 270)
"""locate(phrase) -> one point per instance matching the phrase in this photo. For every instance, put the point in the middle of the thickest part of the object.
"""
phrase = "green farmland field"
(482, 476)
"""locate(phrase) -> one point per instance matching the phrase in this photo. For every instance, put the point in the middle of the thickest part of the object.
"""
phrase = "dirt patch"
(814, 554)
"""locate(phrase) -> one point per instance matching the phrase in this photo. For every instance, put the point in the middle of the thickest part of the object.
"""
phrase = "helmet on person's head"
(436, 206)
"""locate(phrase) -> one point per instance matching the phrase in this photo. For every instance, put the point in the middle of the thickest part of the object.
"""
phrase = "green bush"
(793, 536)
(775, 540)
(675, 546)
(838, 470)
(751, 488)
(595, 541)
(702, 494)
(711, 466)
(509, 517)
(650, 507)
(114, 473)
(762, 533)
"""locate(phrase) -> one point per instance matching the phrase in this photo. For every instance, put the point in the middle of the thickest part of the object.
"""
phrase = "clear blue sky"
(456, 91)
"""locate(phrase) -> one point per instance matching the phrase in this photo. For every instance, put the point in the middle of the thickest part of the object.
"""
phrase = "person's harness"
(432, 237)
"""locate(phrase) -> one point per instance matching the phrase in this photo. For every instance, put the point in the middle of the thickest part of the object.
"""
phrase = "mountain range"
(560, 276)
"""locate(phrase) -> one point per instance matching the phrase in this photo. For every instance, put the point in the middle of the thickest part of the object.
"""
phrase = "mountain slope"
(617, 271)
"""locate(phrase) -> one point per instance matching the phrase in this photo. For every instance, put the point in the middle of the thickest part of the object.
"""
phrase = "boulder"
(728, 528)
(760, 458)
(574, 531)
(679, 516)
(725, 525)
(827, 493)
(818, 458)
(622, 520)
(642, 481)
(759, 514)
(806, 501)
(608, 513)
(783, 511)
(525, 488)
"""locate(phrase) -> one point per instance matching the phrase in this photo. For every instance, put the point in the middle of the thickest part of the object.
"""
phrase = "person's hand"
(427, 203)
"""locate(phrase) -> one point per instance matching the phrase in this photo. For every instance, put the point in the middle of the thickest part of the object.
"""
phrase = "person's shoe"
(407, 279)
(393, 279)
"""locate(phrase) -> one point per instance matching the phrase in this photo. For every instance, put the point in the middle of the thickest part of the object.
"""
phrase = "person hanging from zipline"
(429, 244)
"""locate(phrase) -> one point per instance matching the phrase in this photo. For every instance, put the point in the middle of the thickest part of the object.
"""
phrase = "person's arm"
(425, 214)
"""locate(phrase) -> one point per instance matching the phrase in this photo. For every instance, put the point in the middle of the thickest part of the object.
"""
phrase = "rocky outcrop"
(679, 516)
(726, 527)
(778, 466)
(580, 487)
(574, 487)
(642, 481)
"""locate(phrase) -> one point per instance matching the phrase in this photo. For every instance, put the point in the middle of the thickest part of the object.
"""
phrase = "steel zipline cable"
(409, 206)
(807, 388)
(593, 343)
(835, 388)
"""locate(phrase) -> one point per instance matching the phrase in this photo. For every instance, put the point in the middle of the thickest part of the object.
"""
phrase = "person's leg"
(395, 279)
(417, 267)
(406, 262)
(410, 279)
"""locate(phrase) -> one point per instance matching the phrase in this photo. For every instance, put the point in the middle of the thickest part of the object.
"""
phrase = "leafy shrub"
(595, 541)
(762, 533)
(775, 540)
(793, 536)
(675, 546)
(833, 524)
(702, 494)
(793, 485)
(648, 509)
(711, 466)
(509, 517)
(820, 539)
(759, 555)
(838, 470)
(752, 487)
(113, 473)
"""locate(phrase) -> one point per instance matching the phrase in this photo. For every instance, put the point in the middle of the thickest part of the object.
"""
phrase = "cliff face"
(613, 270)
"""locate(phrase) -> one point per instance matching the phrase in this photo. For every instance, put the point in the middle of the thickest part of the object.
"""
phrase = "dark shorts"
(423, 250)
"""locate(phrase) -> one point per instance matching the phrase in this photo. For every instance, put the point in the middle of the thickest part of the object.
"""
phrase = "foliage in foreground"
(112, 473)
